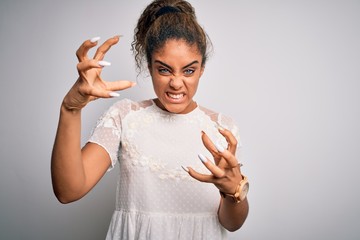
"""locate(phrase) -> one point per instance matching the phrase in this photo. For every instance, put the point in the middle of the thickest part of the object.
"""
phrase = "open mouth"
(175, 96)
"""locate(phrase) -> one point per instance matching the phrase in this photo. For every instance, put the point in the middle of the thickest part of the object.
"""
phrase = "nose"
(176, 82)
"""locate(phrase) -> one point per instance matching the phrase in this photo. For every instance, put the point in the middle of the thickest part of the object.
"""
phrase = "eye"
(189, 72)
(164, 71)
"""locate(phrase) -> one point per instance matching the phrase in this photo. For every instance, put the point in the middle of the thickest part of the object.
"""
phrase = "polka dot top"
(156, 199)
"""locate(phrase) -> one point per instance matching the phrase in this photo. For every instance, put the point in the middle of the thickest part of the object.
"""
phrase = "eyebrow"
(188, 65)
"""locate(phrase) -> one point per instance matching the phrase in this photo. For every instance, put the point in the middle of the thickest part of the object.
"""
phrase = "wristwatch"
(241, 191)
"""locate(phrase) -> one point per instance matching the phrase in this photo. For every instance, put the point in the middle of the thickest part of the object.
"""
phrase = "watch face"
(244, 191)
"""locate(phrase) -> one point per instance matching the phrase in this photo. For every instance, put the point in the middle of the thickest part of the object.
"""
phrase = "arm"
(232, 215)
(226, 176)
(76, 171)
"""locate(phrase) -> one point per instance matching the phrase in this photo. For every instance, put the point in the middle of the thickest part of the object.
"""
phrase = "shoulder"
(222, 120)
(128, 104)
(124, 106)
(217, 117)
(123, 103)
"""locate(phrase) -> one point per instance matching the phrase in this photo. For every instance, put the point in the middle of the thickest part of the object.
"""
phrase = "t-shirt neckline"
(162, 111)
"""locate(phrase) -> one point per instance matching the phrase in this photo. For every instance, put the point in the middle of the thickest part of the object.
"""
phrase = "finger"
(119, 85)
(210, 146)
(88, 64)
(82, 51)
(101, 51)
(97, 92)
(215, 170)
(227, 155)
(230, 138)
(100, 93)
(199, 176)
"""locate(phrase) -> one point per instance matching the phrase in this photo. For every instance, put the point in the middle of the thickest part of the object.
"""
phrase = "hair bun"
(166, 10)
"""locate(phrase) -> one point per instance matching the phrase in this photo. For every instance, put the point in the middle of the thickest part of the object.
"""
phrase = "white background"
(287, 71)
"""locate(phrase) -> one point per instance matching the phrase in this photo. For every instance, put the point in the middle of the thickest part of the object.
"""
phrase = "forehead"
(177, 49)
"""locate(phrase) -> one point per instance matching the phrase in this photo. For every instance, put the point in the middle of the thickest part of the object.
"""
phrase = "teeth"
(176, 96)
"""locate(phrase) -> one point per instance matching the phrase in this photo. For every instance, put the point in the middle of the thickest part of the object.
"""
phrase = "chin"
(175, 109)
(180, 108)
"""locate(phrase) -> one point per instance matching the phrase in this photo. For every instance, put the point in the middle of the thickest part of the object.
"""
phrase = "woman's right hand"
(90, 86)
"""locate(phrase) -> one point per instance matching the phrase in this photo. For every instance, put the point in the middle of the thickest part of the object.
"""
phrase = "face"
(175, 70)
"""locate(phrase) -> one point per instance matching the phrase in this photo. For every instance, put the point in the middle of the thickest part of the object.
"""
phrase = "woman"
(154, 140)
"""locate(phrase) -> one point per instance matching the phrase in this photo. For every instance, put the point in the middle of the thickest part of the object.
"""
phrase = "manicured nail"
(118, 36)
(202, 158)
(219, 147)
(104, 63)
(133, 84)
(219, 127)
(114, 94)
(94, 39)
(185, 169)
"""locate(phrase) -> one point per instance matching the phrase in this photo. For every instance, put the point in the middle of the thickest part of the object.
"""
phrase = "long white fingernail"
(219, 147)
(104, 63)
(94, 39)
(114, 94)
(185, 169)
(218, 126)
(202, 158)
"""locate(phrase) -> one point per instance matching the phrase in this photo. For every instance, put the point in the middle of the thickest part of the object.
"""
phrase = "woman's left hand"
(225, 171)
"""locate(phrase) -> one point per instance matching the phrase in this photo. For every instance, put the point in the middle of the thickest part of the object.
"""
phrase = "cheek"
(193, 85)
(158, 83)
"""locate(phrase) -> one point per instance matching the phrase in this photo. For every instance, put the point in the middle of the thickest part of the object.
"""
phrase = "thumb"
(101, 93)
(119, 85)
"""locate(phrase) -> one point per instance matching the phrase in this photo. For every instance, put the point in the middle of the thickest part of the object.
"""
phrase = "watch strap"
(237, 196)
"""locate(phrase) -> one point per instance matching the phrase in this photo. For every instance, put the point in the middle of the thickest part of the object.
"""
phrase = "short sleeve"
(107, 132)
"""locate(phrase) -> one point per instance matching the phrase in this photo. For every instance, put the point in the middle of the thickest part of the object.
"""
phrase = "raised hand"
(90, 86)
(225, 171)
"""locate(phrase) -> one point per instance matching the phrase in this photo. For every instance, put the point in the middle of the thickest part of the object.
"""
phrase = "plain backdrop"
(287, 71)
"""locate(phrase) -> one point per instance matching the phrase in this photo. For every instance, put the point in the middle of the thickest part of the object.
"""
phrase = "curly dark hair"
(157, 24)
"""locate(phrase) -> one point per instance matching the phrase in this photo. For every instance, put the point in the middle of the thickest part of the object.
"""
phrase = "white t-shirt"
(156, 199)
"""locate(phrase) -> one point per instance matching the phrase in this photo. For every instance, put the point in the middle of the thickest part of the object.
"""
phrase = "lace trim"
(112, 122)
(151, 163)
